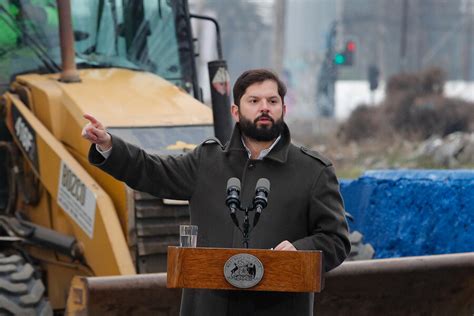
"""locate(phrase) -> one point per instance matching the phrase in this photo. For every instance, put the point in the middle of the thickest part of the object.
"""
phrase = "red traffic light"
(350, 46)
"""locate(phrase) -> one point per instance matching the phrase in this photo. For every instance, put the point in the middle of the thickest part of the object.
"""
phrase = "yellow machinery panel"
(101, 235)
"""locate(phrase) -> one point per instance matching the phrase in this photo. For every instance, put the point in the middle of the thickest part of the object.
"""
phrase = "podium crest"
(243, 270)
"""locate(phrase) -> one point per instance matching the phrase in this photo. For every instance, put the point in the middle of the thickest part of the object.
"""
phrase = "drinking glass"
(188, 235)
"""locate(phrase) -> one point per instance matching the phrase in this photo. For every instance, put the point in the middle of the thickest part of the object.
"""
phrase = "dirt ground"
(352, 159)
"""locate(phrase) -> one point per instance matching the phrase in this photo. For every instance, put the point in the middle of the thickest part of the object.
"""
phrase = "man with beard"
(304, 212)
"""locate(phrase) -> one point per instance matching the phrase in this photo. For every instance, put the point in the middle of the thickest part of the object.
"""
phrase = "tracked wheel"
(21, 293)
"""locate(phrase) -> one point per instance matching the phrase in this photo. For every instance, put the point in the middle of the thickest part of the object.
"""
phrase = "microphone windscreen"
(233, 182)
(263, 183)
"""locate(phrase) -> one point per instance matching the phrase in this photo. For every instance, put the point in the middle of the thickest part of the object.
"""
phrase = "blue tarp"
(413, 212)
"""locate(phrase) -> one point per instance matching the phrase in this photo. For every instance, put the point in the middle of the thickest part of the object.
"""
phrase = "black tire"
(359, 250)
(8, 187)
(21, 293)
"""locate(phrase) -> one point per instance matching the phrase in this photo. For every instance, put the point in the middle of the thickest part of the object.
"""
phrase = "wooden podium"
(211, 268)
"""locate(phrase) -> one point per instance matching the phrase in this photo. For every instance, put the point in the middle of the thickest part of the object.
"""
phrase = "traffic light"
(346, 57)
(340, 58)
(349, 52)
(373, 73)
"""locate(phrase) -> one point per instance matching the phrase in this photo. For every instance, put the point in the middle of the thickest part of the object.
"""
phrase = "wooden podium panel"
(284, 271)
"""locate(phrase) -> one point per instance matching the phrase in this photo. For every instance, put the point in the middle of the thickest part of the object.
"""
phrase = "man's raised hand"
(95, 132)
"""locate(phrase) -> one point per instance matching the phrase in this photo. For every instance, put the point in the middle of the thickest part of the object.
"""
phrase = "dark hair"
(252, 76)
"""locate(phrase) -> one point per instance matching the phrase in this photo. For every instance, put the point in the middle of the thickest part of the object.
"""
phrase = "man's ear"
(234, 111)
(284, 109)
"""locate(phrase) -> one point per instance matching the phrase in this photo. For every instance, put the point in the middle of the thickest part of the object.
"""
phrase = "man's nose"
(264, 106)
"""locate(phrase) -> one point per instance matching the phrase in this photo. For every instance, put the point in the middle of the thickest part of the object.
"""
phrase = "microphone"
(233, 198)
(260, 200)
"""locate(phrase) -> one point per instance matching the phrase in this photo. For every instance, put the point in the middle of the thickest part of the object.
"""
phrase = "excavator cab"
(151, 36)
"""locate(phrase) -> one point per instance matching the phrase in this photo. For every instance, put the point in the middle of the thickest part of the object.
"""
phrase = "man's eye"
(253, 101)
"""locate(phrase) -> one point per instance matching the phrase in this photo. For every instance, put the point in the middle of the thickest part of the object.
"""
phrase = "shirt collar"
(279, 153)
(264, 152)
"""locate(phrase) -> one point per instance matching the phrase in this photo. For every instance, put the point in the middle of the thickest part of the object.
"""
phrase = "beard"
(263, 133)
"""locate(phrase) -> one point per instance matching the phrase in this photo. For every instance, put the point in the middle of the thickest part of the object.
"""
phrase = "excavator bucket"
(144, 294)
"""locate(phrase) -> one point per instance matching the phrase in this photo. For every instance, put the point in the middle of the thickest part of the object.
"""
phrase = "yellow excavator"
(132, 65)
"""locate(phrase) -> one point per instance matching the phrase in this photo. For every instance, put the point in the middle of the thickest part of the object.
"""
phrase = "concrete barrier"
(413, 212)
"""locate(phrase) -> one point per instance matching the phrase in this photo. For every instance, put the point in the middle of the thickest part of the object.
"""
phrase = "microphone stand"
(246, 226)
(245, 230)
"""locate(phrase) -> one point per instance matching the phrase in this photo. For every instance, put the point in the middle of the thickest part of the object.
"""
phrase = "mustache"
(264, 115)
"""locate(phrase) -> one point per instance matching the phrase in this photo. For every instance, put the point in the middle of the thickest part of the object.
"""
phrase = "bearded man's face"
(261, 111)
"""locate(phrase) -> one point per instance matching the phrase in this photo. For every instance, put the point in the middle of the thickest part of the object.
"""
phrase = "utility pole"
(467, 49)
(340, 25)
(420, 35)
(403, 37)
(279, 36)
(381, 32)
(327, 77)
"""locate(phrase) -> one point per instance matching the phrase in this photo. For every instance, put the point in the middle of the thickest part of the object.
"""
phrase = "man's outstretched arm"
(162, 176)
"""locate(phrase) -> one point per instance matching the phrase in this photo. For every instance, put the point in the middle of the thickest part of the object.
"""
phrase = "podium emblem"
(243, 270)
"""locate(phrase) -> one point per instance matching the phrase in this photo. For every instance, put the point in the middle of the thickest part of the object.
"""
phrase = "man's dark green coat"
(304, 207)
